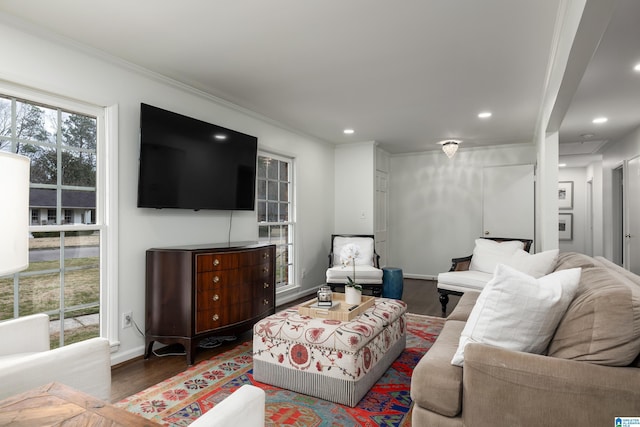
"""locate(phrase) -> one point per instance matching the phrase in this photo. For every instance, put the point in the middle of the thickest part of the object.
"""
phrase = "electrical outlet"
(127, 319)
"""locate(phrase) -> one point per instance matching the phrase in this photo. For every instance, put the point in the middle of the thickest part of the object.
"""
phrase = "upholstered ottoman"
(333, 360)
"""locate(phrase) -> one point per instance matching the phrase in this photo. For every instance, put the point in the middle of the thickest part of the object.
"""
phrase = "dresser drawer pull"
(265, 270)
(266, 301)
(266, 285)
(265, 255)
(215, 317)
(216, 262)
(216, 297)
(216, 279)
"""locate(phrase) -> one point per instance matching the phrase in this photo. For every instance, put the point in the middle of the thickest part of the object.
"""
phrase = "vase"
(352, 295)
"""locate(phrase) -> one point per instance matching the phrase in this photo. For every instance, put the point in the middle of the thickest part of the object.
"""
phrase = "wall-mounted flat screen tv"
(187, 163)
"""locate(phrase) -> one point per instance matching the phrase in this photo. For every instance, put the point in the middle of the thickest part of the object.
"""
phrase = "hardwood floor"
(138, 374)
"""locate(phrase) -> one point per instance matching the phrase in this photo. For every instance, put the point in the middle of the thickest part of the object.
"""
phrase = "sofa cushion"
(602, 323)
(436, 385)
(567, 260)
(536, 265)
(518, 312)
(464, 306)
(488, 253)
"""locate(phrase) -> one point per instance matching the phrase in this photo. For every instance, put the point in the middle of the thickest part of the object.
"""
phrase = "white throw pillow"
(518, 312)
(488, 253)
(365, 245)
(536, 265)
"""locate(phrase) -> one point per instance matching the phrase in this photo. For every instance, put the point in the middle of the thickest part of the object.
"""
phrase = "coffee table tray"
(339, 311)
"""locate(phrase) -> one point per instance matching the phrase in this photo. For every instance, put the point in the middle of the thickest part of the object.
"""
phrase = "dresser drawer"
(216, 262)
(214, 279)
(207, 320)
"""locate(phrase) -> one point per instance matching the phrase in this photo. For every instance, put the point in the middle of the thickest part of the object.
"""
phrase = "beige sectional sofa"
(588, 375)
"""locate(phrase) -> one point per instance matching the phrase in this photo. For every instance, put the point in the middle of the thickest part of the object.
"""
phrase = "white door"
(508, 201)
(632, 220)
(381, 215)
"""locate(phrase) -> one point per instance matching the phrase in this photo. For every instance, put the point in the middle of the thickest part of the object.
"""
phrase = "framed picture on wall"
(565, 226)
(565, 194)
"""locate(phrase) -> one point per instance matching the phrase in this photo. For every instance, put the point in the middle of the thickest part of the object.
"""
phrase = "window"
(65, 274)
(275, 212)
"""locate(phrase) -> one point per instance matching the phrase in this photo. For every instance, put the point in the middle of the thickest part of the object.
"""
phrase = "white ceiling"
(405, 74)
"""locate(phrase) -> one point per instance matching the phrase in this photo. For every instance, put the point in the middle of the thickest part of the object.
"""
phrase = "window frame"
(290, 224)
(106, 184)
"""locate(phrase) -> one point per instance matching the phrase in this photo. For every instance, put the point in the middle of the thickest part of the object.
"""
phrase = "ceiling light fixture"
(450, 146)
(600, 120)
(348, 131)
(637, 68)
(485, 115)
(561, 165)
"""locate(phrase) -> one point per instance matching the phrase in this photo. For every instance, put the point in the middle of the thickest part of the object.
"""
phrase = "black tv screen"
(186, 163)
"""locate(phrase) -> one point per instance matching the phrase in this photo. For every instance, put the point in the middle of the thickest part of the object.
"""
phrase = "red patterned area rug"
(179, 400)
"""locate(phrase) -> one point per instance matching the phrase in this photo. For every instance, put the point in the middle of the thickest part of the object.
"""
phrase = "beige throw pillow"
(518, 312)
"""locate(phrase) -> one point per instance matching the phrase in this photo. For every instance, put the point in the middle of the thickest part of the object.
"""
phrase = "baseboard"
(420, 276)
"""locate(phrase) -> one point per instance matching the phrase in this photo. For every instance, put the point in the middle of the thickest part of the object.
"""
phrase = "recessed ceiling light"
(562, 165)
(637, 67)
(587, 135)
(485, 115)
(600, 120)
(348, 131)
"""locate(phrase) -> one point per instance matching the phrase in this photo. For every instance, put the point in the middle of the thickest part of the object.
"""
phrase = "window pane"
(5, 118)
(284, 171)
(262, 167)
(262, 190)
(272, 212)
(272, 169)
(272, 190)
(79, 131)
(6, 297)
(35, 123)
(263, 232)
(44, 163)
(284, 192)
(284, 212)
(78, 169)
(262, 211)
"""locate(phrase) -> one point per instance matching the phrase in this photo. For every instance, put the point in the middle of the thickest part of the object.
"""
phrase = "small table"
(392, 282)
(58, 404)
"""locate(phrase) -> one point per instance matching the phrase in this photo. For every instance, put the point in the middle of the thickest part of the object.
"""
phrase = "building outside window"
(275, 212)
(62, 145)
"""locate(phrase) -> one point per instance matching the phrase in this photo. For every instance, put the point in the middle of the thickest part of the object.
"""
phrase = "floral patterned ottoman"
(330, 359)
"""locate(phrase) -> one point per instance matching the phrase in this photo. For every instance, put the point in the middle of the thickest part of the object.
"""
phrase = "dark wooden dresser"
(194, 292)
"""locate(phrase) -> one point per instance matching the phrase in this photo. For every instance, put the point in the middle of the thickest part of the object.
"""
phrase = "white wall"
(614, 154)
(435, 205)
(48, 65)
(354, 188)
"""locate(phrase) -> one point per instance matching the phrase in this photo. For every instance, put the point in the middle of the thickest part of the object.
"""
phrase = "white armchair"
(27, 362)
(368, 272)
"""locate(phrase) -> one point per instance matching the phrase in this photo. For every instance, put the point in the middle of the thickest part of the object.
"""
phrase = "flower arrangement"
(348, 255)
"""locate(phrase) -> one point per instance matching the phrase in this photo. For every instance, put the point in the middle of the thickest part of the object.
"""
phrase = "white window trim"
(106, 207)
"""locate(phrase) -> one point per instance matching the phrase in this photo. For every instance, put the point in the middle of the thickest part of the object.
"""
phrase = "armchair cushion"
(365, 274)
(518, 312)
(488, 253)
